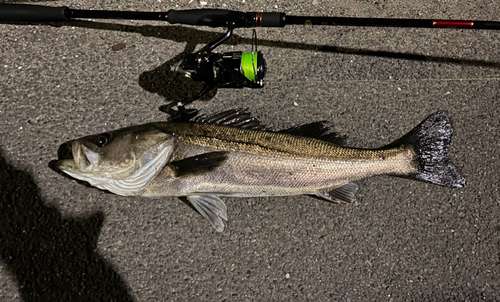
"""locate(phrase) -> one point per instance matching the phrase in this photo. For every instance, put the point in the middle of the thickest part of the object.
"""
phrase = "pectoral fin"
(198, 164)
(342, 195)
(210, 207)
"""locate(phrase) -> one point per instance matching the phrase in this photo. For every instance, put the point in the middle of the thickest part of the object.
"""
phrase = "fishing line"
(313, 81)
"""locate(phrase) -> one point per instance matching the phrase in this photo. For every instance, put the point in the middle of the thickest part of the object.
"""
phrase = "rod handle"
(30, 13)
(207, 17)
(271, 19)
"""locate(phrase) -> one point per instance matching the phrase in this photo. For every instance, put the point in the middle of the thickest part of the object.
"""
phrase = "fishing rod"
(229, 69)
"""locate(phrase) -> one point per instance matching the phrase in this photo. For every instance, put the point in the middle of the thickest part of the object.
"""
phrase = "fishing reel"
(225, 70)
(218, 70)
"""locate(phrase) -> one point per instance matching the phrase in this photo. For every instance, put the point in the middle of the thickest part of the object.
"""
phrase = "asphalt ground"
(404, 240)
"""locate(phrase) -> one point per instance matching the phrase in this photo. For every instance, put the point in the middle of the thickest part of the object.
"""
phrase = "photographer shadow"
(52, 258)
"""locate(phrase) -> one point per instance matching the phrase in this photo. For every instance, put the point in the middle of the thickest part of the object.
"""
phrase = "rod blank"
(222, 18)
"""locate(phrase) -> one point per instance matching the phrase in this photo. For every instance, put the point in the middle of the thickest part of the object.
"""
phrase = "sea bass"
(231, 154)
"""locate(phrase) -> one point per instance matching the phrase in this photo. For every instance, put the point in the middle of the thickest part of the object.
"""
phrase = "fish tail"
(430, 141)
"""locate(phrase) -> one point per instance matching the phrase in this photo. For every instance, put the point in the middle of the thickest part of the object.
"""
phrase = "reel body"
(226, 70)
(222, 70)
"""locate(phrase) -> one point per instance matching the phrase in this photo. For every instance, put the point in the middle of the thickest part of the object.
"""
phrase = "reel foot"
(181, 114)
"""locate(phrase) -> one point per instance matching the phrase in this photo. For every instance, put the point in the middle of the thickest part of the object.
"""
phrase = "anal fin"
(212, 208)
(344, 194)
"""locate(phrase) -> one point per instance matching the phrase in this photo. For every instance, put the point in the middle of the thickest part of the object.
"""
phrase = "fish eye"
(103, 139)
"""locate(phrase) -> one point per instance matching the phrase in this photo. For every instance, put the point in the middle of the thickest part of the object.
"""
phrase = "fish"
(231, 154)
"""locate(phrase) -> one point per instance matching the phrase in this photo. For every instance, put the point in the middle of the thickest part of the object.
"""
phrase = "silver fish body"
(229, 154)
(263, 165)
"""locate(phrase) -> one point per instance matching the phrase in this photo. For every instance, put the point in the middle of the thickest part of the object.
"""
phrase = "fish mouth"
(73, 156)
(65, 163)
(65, 151)
(75, 161)
(64, 160)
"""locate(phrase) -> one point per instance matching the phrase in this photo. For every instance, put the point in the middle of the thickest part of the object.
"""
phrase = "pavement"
(404, 240)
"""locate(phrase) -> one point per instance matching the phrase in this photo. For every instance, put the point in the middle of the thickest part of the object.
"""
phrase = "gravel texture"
(404, 241)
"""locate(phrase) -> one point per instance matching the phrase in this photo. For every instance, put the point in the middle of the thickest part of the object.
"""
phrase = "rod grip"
(30, 13)
(206, 17)
(273, 19)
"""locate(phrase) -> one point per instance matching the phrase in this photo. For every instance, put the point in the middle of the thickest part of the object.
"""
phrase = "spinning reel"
(219, 70)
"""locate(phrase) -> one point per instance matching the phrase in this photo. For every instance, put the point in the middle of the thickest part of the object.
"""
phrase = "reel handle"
(33, 13)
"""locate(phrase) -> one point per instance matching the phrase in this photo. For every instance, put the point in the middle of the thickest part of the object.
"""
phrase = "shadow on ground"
(52, 258)
(176, 87)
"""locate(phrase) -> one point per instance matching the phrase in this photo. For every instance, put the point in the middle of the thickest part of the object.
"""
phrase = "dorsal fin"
(320, 130)
(240, 118)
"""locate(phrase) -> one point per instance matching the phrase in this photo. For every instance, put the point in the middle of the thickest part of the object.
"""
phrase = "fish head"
(121, 161)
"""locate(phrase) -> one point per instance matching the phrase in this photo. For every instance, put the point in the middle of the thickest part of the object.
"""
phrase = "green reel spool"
(253, 66)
